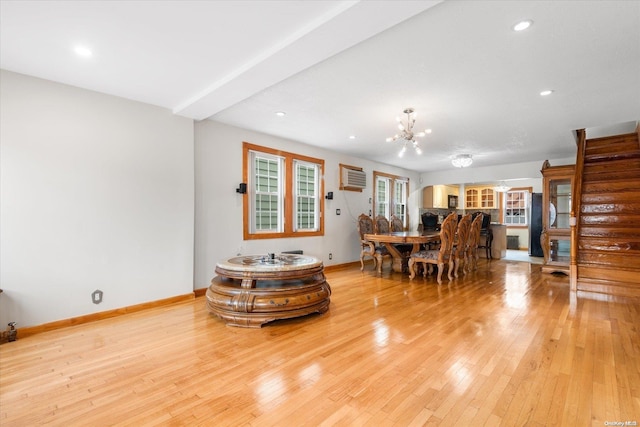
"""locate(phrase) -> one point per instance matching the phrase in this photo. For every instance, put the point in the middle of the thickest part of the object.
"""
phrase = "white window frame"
(400, 201)
(313, 199)
(254, 191)
(383, 202)
(522, 208)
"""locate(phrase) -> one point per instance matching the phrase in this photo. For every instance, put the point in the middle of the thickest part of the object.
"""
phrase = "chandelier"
(406, 135)
(462, 160)
(502, 188)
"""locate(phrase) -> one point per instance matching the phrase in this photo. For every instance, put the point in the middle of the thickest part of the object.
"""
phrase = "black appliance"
(535, 225)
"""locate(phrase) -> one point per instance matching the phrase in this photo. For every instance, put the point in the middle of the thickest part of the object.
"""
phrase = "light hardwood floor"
(505, 345)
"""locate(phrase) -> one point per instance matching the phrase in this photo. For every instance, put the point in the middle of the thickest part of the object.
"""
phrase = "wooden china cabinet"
(557, 183)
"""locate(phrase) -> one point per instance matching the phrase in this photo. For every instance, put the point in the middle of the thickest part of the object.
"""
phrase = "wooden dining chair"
(437, 256)
(474, 241)
(369, 249)
(382, 224)
(461, 245)
(396, 223)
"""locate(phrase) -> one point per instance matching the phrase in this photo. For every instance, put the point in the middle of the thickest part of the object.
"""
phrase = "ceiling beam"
(346, 25)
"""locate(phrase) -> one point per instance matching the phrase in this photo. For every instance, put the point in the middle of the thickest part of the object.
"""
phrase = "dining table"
(390, 240)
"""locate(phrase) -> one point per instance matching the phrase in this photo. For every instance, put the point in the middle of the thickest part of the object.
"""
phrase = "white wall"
(97, 192)
(218, 154)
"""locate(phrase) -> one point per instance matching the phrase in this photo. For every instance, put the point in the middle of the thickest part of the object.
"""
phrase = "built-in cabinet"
(437, 196)
(557, 183)
(480, 198)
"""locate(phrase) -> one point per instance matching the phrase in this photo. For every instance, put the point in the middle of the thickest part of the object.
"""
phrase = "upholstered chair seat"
(428, 254)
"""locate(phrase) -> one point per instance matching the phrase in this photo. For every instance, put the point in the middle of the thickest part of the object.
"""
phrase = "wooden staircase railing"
(576, 204)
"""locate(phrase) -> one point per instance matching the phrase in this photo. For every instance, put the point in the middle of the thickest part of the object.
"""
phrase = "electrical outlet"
(330, 256)
(96, 296)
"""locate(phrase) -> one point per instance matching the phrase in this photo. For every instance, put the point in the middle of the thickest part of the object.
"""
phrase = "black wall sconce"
(329, 195)
(242, 188)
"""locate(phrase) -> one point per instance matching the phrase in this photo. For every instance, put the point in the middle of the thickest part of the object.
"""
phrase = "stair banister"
(574, 220)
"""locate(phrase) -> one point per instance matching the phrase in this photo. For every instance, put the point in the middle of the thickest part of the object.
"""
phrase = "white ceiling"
(341, 68)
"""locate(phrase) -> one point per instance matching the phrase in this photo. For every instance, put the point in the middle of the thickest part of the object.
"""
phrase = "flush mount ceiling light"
(462, 160)
(502, 188)
(83, 51)
(546, 92)
(406, 135)
(352, 137)
(522, 25)
(280, 113)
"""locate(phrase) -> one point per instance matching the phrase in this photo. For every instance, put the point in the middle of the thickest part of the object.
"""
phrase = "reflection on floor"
(516, 255)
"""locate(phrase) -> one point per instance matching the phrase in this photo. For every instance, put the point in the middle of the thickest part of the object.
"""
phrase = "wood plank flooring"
(504, 345)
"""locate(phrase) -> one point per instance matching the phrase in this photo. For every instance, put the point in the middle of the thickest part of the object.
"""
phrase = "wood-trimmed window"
(390, 196)
(516, 207)
(284, 194)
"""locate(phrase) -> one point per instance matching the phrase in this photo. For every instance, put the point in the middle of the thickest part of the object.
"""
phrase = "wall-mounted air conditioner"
(352, 178)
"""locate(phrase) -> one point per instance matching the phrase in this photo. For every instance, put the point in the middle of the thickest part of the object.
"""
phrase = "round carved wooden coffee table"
(252, 290)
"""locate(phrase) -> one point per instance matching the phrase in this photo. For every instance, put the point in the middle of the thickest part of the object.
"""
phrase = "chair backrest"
(396, 224)
(382, 224)
(462, 235)
(429, 221)
(486, 219)
(365, 225)
(474, 234)
(447, 235)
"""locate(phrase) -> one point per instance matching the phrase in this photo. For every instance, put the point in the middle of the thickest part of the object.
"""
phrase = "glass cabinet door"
(559, 203)
(556, 213)
(559, 249)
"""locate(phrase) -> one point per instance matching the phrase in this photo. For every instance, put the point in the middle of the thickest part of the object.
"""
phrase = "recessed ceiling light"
(280, 113)
(522, 25)
(546, 92)
(352, 137)
(83, 51)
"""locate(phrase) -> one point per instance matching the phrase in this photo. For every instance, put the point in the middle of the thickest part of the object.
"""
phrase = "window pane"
(516, 207)
(400, 200)
(382, 196)
(267, 193)
(306, 189)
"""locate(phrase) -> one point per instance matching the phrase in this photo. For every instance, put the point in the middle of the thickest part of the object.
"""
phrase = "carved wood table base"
(252, 290)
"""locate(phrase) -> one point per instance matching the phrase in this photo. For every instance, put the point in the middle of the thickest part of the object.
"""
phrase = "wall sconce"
(242, 188)
(329, 195)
